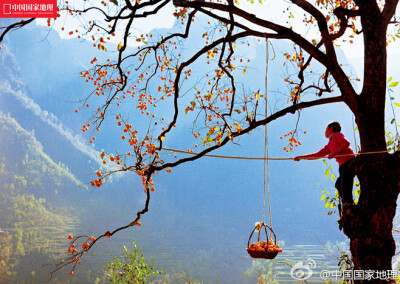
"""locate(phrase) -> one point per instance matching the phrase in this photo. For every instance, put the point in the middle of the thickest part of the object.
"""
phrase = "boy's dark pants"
(344, 183)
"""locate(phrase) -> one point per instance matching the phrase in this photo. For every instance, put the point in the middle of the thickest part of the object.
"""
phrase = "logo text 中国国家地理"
(28, 8)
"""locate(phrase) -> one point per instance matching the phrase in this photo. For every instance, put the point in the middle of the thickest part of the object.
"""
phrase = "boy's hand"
(298, 158)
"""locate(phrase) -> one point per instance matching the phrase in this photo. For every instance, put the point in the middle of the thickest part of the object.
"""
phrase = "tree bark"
(369, 224)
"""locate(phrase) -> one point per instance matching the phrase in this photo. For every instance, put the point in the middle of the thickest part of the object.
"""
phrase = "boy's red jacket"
(337, 145)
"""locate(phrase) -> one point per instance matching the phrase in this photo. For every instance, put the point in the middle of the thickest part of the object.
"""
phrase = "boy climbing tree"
(338, 147)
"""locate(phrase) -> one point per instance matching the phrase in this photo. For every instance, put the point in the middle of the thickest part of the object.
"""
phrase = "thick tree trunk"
(369, 224)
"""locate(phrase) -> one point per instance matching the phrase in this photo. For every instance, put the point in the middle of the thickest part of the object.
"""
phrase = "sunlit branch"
(319, 89)
(164, 40)
(321, 20)
(329, 60)
(122, 76)
(389, 10)
(340, 77)
(108, 18)
(187, 63)
(232, 79)
(76, 256)
(343, 16)
(14, 26)
(301, 72)
(326, 89)
(226, 124)
(148, 13)
(129, 6)
(226, 20)
(100, 27)
(159, 44)
(281, 30)
(253, 125)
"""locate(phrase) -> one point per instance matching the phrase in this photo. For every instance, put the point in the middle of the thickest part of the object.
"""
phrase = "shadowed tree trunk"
(369, 224)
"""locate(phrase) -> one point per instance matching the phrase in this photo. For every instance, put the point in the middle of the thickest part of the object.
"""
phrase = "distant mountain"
(24, 156)
(33, 221)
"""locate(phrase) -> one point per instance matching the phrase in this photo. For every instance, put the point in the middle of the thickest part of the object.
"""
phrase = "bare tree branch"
(253, 125)
(187, 63)
(329, 60)
(389, 10)
(14, 26)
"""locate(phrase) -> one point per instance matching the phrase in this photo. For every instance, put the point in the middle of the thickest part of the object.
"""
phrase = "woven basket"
(262, 254)
(266, 254)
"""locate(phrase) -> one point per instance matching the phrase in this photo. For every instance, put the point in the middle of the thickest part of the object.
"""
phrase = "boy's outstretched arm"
(314, 156)
(298, 158)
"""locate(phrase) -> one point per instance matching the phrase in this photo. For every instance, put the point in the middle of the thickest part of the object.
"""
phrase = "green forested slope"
(33, 224)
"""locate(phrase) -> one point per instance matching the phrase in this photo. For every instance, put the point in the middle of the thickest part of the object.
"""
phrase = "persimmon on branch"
(328, 59)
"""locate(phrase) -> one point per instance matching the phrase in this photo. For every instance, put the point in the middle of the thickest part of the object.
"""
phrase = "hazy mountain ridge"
(34, 224)
(21, 147)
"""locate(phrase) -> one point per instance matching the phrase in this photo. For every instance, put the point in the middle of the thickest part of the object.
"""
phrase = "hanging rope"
(265, 249)
(266, 154)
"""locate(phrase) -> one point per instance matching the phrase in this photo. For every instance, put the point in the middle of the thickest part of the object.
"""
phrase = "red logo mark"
(28, 8)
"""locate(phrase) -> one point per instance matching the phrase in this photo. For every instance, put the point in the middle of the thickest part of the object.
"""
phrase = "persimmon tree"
(149, 91)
